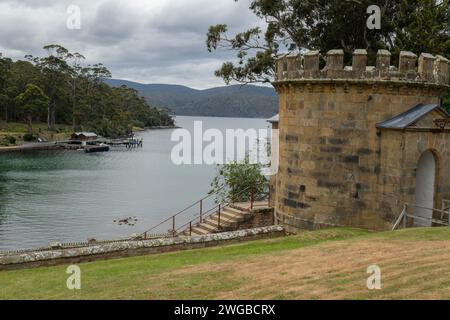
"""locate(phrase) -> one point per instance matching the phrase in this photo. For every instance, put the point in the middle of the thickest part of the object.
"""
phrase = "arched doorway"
(425, 188)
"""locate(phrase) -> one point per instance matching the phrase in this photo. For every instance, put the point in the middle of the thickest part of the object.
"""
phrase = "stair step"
(231, 216)
(228, 216)
(225, 219)
(234, 210)
(208, 226)
(194, 233)
(210, 222)
(238, 208)
(199, 231)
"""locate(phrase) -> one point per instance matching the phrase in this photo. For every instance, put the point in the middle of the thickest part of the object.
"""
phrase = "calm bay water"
(70, 196)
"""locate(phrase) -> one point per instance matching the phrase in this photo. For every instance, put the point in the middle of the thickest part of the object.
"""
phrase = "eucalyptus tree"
(55, 70)
(31, 103)
(5, 73)
(290, 25)
(76, 69)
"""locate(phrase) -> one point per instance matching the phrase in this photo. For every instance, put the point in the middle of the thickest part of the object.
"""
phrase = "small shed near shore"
(84, 136)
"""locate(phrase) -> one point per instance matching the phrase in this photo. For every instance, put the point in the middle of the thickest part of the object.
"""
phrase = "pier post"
(252, 197)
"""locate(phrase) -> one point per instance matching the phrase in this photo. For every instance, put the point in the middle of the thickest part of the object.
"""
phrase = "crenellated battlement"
(424, 69)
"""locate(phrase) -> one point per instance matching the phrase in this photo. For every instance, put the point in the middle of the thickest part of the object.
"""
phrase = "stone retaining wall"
(257, 219)
(131, 248)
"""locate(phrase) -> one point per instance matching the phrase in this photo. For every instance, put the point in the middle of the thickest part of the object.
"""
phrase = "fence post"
(173, 224)
(405, 216)
(201, 211)
(218, 221)
(145, 236)
(252, 197)
(190, 228)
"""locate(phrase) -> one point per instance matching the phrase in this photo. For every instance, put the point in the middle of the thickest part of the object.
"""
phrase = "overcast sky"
(148, 41)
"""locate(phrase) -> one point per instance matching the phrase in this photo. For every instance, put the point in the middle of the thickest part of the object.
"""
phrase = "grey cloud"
(113, 23)
(148, 41)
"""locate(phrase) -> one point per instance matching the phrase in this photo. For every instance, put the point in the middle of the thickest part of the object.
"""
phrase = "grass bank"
(314, 265)
(11, 133)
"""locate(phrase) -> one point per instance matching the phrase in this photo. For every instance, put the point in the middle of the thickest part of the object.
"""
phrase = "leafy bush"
(29, 137)
(238, 181)
(7, 140)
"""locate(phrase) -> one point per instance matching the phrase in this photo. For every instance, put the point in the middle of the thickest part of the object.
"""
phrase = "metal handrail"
(202, 214)
(430, 209)
(180, 212)
(213, 210)
(401, 217)
(404, 215)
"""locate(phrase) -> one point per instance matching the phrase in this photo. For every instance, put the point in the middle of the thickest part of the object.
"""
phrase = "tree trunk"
(51, 116)
(74, 105)
(30, 124)
(53, 120)
(49, 108)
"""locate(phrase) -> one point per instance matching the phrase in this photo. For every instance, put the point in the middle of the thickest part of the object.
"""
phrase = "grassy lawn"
(323, 264)
(17, 130)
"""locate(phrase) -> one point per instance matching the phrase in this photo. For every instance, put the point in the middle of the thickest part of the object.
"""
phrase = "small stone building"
(358, 142)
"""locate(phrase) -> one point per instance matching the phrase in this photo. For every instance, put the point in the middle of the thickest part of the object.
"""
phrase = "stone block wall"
(121, 249)
(257, 219)
(336, 168)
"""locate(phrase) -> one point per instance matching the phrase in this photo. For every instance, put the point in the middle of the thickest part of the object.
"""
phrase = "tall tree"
(21, 73)
(31, 103)
(415, 25)
(56, 70)
(5, 73)
(75, 75)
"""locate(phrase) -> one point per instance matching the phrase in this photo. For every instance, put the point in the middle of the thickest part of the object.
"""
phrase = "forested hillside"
(231, 101)
(59, 88)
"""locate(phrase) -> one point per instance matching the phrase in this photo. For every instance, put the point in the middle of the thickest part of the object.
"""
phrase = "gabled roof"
(405, 119)
(274, 119)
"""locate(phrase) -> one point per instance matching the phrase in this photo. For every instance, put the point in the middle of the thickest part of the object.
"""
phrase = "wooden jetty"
(128, 143)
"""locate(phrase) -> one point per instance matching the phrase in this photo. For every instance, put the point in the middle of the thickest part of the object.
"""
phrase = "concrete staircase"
(229, 217)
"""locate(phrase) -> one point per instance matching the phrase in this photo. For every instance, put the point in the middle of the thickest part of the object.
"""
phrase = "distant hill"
(231, 101)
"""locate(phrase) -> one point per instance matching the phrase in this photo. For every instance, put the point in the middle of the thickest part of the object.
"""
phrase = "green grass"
(167, 276)
(100, 278)
(18, 129)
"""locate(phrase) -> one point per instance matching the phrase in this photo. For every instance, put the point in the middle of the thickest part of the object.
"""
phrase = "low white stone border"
(99, 249)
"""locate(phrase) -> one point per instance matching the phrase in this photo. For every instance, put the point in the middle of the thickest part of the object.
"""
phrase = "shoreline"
(50, 146)
(60, 145)
(161, 128)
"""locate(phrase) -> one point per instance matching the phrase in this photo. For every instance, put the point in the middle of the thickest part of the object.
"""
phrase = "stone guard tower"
(357, 143)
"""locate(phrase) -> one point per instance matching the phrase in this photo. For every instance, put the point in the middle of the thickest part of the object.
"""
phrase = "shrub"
(238, 181)
(29, 137)
(7, 140)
